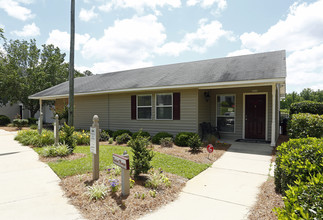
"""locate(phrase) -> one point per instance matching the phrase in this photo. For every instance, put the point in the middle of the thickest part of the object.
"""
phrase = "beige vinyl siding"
(204, 108)
(120, 113)
(238, 92)
(10, 111)
(88, 106)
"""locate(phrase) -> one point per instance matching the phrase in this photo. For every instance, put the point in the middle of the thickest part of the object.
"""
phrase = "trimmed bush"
(194, 142)
(20, 123)
(4, 120)
(32, 121)
(166, 142)
(297, 159)
(304, 200)
(305, 124)
(123, 138)
(33, 127)
(120, 132)
(104, 136)
(142, 133)
(110, 132)
(160, 135)
(31, 137)
(306, 107)
(182, 138)
(142, 156)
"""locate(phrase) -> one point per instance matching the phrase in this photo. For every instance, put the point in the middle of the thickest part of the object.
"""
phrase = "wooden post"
(56, 130)
(125, 178)
(94, 147)
(40, 123)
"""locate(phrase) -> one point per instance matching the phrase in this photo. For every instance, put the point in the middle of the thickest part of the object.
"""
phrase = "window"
(225, 110)
(144, 107)
(164, 106)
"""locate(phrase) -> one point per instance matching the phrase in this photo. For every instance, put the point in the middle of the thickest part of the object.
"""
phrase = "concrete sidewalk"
(29, 189)
(227, 190)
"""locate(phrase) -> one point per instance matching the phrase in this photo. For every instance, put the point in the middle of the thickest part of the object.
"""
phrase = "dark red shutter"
(133, 107)
(176, 106)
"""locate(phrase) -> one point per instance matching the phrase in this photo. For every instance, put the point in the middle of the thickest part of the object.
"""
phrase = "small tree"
(141, 155)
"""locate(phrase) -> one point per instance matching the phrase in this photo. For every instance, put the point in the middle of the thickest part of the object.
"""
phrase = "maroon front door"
(255, 118)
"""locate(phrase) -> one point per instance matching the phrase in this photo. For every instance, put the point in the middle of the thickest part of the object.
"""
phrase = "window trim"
(156, 106)
(137, 107)
(235, 112)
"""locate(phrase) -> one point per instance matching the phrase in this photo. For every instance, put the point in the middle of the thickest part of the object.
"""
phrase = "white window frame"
(235, 112)
(151, 107)
(156, 106)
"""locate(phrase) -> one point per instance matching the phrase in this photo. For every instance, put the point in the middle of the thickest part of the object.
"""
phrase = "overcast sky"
(126, 34)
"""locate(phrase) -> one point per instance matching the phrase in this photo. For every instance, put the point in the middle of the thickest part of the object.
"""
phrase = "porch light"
(207, 96)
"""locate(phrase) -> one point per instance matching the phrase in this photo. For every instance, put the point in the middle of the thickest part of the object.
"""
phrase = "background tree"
(306, 94)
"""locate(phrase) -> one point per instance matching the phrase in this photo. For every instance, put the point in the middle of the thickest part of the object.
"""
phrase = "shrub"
(45, 138)
(97, 191)
(304, 200)
(182, 138)
(66, 137)
(142, 133)
(297, 158)
(142, 156)
(20, 122)
(120, 132)
(166, 142)
(305, 124)
(123, 138)
(32, 121)
(33, 127)
(306, 107)
(160, 135)
(109, 132)
(31, 137)
(110, 140)
(104, 136)
(53, 151)
(4, 120)
(82, 138)
(194, 142)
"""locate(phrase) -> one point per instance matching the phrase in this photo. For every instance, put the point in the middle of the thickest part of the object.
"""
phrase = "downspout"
(273, 118)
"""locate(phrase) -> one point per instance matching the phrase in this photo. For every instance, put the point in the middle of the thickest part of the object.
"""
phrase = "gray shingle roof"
(269, 65)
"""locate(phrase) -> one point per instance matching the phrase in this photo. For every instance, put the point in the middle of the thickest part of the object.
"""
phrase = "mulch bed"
(114, 205)
(73, 156)
(13, 128)
(267, 198)
(266, 201)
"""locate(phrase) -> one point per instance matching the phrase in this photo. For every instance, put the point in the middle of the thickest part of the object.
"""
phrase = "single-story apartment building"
(239, 95)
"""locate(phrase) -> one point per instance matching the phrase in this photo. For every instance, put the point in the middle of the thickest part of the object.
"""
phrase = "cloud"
(139, 5)
(222, 4)
(87, 15)
(29, 30)
(14, 9)
(207, 35)
(300, 30)
(61, 39)
(129, 43)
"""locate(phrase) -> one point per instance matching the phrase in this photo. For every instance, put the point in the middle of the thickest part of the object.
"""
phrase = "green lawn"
(168, 163)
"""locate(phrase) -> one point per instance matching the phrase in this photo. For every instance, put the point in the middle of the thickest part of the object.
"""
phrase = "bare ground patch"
(73, 156)
(114, 205)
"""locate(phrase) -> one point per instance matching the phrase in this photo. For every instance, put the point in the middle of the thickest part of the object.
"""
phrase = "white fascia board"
(216, 85)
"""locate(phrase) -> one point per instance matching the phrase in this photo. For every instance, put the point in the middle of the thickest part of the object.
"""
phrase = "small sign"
(210, 148)
(121, 161)
(93, 140)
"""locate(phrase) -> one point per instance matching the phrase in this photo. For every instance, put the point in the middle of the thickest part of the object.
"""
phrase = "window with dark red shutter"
(176, 106)
(133, 107)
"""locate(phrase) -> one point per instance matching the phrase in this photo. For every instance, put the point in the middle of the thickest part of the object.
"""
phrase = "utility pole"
(71, 69)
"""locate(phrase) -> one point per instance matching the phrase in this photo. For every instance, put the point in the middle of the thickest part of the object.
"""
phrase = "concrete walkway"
(29, 189)
(227, 190)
